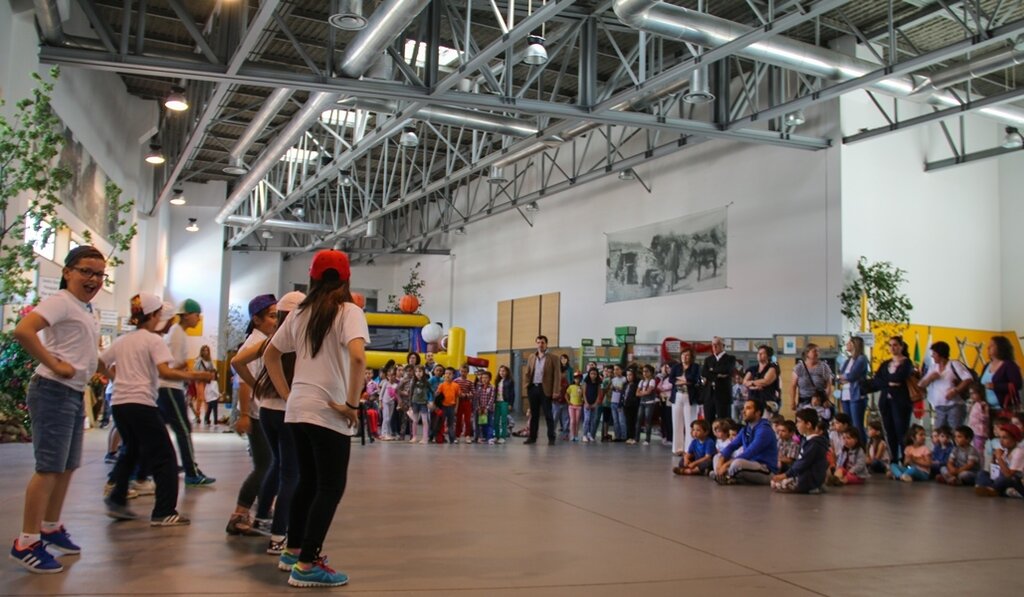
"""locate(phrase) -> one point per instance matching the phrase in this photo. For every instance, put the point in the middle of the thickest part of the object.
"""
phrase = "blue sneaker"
(287, 560)
(320, 575)
(61, 541)
(35, 558)
(199, 480)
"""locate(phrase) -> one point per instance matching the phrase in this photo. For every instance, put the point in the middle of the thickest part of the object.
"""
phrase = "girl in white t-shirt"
(62, 334)
(142, 358)
(327, 334)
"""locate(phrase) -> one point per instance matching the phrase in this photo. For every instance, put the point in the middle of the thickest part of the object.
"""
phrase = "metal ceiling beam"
(968, 158)
(198, 132)
(672, 75)
(193, 30)
(903, 125)
(885, 72)
(390, 91)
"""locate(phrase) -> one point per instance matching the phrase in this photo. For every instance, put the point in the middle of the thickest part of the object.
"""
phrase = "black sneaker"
(174, 520)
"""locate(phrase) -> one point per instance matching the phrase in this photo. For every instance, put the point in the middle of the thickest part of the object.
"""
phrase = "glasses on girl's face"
(90, 274)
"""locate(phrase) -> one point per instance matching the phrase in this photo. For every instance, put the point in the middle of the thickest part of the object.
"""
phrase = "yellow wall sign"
(965, 345)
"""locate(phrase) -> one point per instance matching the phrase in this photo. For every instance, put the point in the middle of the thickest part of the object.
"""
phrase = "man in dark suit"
(543, 382)
(717, 373)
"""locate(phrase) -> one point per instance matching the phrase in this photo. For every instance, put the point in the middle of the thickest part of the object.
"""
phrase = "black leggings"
(145, 437)
(323, 457)
(211, 408)
(259, 450)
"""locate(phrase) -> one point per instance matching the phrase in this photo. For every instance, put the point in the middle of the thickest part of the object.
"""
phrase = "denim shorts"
(58, 422)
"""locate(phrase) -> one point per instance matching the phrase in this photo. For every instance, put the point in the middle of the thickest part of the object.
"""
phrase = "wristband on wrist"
(356, 407)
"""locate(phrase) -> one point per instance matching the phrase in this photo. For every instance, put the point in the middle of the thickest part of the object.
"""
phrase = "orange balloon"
(359, 299)
(408, 304)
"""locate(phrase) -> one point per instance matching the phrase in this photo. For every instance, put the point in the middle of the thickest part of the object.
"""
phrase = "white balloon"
(432, 332)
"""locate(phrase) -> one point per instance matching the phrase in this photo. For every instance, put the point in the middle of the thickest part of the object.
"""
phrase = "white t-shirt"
(73, 337)
(255, 367)
(177, 342)
(324, 379)
(938, 388)
(136, 356)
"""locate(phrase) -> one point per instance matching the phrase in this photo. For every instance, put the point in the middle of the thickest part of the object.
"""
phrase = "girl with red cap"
(328, 334)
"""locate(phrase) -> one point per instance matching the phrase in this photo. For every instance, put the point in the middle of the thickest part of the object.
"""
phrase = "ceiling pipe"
(480, 121)
(271, 106)
(973, 68)
(48, 17)
(383, 27)
(287, 225)
(682, 24)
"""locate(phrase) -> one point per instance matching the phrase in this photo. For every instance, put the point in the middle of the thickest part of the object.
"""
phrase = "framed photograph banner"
(677, 256)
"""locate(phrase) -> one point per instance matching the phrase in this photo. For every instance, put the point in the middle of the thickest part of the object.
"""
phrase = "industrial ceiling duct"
(349, 16)
(384, 26)
(682, 24)
(271, 106)
(973, 68)
(700, 91)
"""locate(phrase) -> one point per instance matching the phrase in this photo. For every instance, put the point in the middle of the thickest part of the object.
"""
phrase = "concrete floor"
(537, 520)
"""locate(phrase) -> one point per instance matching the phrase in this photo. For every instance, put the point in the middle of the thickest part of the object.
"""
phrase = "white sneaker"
(501, 441)
(647, 443)
(1013, 493)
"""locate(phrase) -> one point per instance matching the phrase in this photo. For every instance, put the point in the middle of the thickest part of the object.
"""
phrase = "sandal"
(239, 524)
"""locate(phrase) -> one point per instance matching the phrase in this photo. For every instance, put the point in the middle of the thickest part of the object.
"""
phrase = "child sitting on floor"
(1008, 466)
(697, 460)
(789, 449)
(942, 445)
(961, 468)
(851, 464)
(917, 458)
(840, 423)
(878, 454)
(807, 474)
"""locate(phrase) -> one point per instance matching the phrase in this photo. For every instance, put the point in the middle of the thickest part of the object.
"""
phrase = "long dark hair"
(325, 297)
(264, 386)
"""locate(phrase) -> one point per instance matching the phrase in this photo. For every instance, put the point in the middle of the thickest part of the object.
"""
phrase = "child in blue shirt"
(942, 446)
(697, 459)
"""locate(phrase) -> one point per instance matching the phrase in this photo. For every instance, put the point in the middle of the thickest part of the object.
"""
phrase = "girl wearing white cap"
(142, 358)
(328, 334)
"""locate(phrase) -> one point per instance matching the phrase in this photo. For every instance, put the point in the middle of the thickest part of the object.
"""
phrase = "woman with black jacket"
(685, 399)
(894, 401)
(505, 400)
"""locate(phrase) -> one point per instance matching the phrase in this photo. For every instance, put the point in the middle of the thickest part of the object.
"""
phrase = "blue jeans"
(590, 422)
(483, 430)
(645, 418)
(856, 410)
(1000, 483)
(560, 412)
(449, 417)
(619, 421)
(952, 415)
(58, 414)
(898, 470)
(283, 475)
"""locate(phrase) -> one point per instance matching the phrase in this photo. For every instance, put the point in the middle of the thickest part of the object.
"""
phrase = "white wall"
(942, 227)
(197, 259)
(1011, 208)
(253, 274)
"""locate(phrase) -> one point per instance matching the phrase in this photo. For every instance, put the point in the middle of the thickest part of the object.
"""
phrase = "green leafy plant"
(16, 369)
(414, 287)
(238, 321)
(883, 283)
(29, 144)
(119, 212)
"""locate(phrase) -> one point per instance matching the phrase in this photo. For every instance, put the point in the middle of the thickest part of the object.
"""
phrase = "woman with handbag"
(810, 375)
(894, 403)
(1001, 376)
(852, 376)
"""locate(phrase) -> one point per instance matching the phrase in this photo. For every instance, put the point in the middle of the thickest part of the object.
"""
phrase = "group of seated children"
(811, 453)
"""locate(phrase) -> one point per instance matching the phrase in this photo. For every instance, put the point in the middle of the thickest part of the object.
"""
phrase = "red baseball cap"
(330, 259)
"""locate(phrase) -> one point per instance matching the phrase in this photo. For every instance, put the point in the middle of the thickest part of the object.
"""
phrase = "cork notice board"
(521, 320)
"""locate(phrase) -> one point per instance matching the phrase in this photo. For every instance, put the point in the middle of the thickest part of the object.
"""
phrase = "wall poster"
(677, 256)
(85, 192)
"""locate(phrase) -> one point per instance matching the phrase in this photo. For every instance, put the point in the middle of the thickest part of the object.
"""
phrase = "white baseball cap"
(290, 301)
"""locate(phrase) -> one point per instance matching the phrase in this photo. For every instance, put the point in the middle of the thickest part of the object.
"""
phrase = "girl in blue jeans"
(917, 458)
